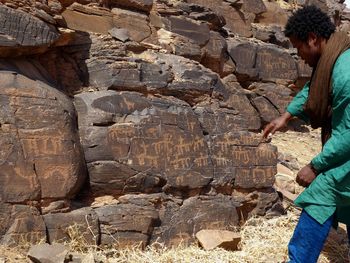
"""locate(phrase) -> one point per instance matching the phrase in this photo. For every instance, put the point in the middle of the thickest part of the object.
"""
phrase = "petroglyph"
(36, 147)
(256, 177)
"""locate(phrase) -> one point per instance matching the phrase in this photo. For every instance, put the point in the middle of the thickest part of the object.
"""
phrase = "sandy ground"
(301, 145)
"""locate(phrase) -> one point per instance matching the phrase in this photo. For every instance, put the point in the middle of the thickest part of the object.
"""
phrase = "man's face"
(309, 50)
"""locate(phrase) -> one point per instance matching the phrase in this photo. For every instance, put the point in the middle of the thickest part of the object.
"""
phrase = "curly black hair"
(309, 19)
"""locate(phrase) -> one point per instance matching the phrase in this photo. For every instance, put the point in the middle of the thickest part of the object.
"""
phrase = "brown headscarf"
(319, 104)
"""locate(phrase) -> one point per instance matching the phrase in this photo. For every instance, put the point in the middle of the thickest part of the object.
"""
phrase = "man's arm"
(337, 148)
(295, 108)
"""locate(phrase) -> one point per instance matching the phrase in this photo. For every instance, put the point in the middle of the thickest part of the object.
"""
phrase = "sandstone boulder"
(215, 53)
(236, 21)
(48, 253)
(210, 239)
(149, 144)
(80, 223)
(215, 20)
(20, 223)
(126, 224)
(198, 32)
(274, 14)
(136, 24)
(266, 109)
(263, 202)
(83, 18)
(275, 64)
(41, 153)
(21, 33)
(219, 120)
(179, 224)
(278, 95)
(240, 161)
(254, 6)
(243, 53)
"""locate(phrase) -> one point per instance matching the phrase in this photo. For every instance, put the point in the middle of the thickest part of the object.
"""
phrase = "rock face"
(41, 153)
(138, 121)
(179, 224)
(21, 223)
(17, 32)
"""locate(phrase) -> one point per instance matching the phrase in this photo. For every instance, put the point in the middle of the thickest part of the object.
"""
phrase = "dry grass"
(263, 240)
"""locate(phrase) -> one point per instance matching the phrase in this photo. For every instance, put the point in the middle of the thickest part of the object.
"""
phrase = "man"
(325, 103)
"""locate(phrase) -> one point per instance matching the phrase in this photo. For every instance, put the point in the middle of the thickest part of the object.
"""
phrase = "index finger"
(268, 129)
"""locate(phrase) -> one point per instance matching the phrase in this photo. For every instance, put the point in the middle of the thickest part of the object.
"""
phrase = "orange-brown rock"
(236, 21)
(136, 24)
(211, 238)
(215, 53)
(83, 18)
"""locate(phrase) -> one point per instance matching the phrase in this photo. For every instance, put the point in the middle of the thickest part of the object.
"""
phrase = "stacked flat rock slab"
(136, 121)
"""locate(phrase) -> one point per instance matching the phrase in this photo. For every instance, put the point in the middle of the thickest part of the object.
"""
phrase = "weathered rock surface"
(199, 33)
(275, 64)
(240, 161)
(126, 224)
(170, 97)
(79, 17)
(48, 253)
(82, 223)
(127, 138)
(215, 53)
(21, 30)
(41, 153)
(244, 55)
(136, 24)
(20, 223)
(210, 239)
(236, 21)
(179, 224)
(139, 5)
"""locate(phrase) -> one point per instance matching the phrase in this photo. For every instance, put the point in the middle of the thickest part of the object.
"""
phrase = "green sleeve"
(295, 108)
(335, 152)
(337, 149)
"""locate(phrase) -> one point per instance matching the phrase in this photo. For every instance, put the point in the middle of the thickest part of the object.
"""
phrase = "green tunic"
(329, 193)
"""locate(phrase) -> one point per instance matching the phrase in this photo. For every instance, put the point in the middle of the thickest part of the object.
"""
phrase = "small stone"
(283, 170)
(48, 253)
(210, 239)
(121, 34)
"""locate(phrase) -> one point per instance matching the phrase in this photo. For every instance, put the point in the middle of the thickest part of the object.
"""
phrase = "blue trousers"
(308, 239)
